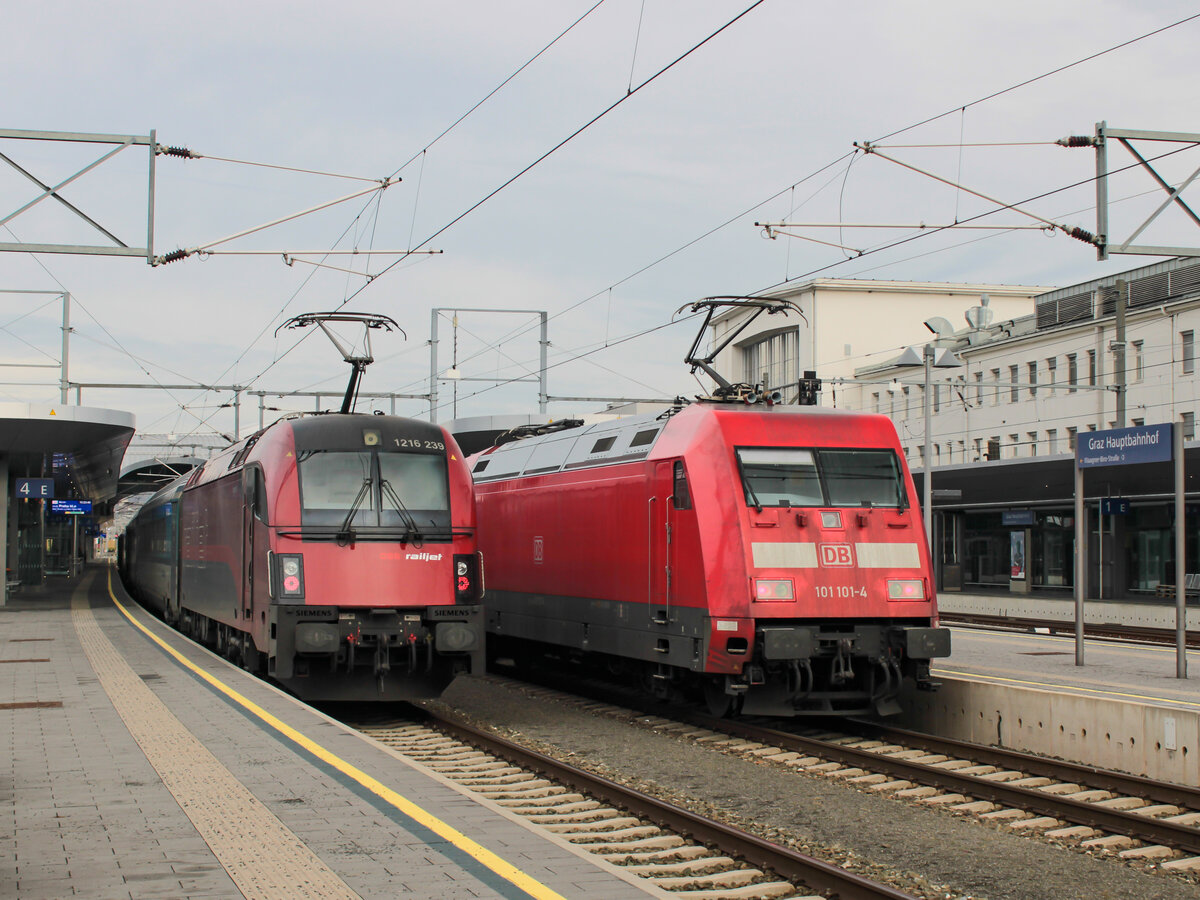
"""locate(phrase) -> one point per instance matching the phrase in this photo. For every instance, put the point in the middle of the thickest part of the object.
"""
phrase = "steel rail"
(1108, 779)
(1076, 812)
(783, 861)
(1155, 831)
(1119, 632)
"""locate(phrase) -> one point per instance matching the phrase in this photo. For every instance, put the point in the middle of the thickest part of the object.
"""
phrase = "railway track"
(677, 850)
(1113, 631)
(1094, 809)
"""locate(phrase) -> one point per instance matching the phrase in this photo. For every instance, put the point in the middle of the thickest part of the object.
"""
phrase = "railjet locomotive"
(336, 553)
(769, 558)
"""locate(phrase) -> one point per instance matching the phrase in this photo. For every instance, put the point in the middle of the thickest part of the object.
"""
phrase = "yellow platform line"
(1083, 691)
(476, 851)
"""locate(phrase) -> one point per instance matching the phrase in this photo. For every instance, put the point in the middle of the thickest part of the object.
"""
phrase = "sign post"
(1123, 447)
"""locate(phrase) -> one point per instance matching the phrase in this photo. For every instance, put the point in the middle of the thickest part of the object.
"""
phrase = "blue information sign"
(1124, 446)
(71, 507)
(1114, 506)
(33, 488)
(1017, 517)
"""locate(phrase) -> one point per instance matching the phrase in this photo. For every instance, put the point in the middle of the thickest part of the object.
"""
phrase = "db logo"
(836, 555)
(539, 550)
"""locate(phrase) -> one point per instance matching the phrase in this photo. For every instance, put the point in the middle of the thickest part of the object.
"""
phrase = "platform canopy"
(86, 443)
(148, 475)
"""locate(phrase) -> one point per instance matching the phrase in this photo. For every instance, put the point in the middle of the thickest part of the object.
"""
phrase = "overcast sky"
(651, 207)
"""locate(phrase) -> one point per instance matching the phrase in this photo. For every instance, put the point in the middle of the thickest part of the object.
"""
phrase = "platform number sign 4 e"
(33, 488)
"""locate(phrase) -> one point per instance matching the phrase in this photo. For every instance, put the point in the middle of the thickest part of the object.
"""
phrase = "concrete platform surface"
(1124, 708)
(132, 775)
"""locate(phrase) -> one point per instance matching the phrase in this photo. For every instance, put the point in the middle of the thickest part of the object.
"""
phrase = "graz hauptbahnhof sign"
(1124, 446)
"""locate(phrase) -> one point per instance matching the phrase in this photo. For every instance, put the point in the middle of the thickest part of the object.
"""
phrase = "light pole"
(930, 358)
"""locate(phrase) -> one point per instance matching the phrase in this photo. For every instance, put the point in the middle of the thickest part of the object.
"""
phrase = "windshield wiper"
(409, 522)
(345, 534)
(753, 496)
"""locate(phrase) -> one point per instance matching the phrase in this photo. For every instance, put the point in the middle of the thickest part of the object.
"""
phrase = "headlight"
(831, 518)
(291, 577)
(468, 578)
(909, 589)
(773, 589)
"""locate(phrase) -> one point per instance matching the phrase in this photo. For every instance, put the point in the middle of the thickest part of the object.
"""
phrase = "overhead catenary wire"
(938, 229)
(562, 143)
(189, 154)
(959, 108)
(397, 171)
(1030, 81)
(570, 137)
(1037, 78)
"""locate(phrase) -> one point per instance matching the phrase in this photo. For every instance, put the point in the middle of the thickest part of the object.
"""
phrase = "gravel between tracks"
(929, 852)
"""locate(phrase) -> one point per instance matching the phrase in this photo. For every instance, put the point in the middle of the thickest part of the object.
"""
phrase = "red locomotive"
(335, 552)
(772, 558)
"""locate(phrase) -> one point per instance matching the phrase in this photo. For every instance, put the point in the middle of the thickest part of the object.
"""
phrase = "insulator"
(1082, 234)
(1077, 140)
(174, 256)
(181, 152)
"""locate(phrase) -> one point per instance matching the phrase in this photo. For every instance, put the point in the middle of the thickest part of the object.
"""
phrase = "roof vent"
(980, 316)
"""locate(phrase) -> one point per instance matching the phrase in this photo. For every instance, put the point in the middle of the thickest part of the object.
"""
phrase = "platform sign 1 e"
(33, 488)
(1124, 446)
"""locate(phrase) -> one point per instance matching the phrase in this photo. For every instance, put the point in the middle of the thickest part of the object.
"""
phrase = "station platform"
(1059, 606)
(1124, 708)
(141, 766)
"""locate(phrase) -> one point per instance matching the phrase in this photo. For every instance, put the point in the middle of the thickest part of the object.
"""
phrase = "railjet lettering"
(432, 557)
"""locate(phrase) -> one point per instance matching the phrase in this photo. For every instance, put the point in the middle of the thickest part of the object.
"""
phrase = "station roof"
(152, 474)
(1050, 481)
(87, 442)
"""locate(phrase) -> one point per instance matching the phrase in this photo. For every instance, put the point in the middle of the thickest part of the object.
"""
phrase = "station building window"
(1187, 421)
(986, 553)
(1014, 390)
(1139, 360)
(1187, 354)
(1092, 368)
(775, 361)
(1032, 379)
(1072, 372)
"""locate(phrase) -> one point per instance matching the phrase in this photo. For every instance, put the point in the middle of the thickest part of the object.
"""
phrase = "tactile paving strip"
(264, 857)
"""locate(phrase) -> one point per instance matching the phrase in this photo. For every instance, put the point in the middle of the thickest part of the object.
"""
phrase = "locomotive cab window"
(380, 490)
(682, 496)
(792, 476)
(780, 477)
(862, 478)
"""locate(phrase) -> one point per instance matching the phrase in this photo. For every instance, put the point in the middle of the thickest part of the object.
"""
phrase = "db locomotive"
(770, 559)
(335, 553)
